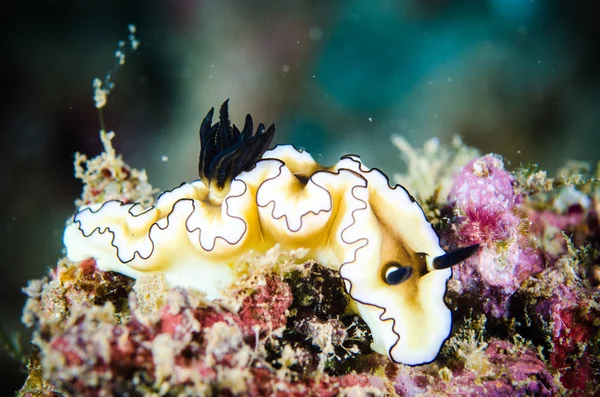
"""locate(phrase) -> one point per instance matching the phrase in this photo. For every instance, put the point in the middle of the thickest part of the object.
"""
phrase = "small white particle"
(164, 158)
(285, 68)
(135, 43)
(120, 55)
(370, 119)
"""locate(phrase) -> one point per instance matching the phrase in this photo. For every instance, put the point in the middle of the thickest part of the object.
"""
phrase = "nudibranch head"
(249, 198)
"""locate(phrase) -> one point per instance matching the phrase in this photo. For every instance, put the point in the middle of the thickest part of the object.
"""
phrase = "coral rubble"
(96, 340)
(526, 307)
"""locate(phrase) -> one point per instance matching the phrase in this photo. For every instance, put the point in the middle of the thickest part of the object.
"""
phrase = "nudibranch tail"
(225, 151)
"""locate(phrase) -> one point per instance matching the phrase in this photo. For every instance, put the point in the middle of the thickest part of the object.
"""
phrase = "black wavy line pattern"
(287, 223)
(282, 164)
(350, 157)
(367, 171)
(366, 240)
(155, 224)
(231, 216)
(107, 229)
(299, 150)
(354, 260)
(353, 158)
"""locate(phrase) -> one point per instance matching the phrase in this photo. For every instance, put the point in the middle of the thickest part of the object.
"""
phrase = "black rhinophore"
(454, 257)
(225, 151)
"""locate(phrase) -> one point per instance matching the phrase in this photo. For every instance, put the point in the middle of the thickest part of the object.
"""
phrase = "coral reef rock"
(526, 307)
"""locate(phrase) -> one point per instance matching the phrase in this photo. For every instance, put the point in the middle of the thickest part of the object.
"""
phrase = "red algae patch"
(525, 308)
(97, 341)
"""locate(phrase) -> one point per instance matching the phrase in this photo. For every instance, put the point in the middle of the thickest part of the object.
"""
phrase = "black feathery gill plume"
(225, 151)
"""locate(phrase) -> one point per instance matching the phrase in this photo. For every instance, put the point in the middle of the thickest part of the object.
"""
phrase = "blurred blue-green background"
(516, 77)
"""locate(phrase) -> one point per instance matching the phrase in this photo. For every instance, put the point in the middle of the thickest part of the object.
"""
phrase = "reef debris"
(99, 335)
(488, 211)
(525, 310)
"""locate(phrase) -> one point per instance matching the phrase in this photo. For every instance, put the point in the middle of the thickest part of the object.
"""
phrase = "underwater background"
(519, 78)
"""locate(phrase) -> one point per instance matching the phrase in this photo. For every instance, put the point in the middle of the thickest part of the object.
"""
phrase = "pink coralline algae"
(101, 342)
(572, 331)
(276, 344)
(567, 305)
(525, 310)
(564, 315)
(487, 212)
(536, 269)
(520, 373)
(549, 226)
(266, 308)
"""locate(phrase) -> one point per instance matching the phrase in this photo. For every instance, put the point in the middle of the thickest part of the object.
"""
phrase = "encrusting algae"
(286, 324)
(525, 305)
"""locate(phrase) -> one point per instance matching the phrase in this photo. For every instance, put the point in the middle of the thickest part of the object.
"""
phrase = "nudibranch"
(251, 198)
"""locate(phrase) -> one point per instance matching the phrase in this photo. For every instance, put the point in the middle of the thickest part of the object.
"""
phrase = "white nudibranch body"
(347, 215)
